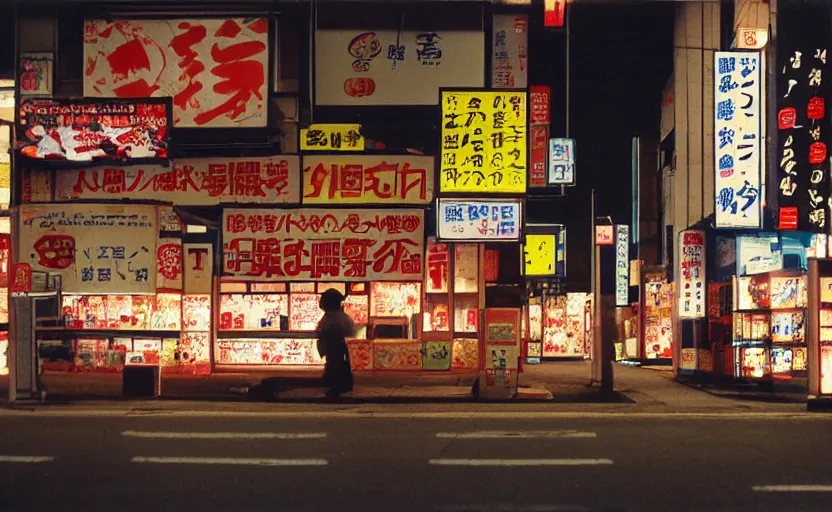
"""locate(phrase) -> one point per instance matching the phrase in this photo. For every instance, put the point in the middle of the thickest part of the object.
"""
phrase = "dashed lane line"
(224, 435)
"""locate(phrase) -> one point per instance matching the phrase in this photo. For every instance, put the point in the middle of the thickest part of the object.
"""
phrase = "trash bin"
(140, 381)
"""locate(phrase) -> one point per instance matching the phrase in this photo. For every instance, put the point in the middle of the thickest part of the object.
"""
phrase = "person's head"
(331, 300)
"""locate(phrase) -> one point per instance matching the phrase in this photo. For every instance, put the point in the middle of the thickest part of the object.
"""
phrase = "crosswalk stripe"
(520, 434)
(229, 461)
(520, 462)
(224, 435)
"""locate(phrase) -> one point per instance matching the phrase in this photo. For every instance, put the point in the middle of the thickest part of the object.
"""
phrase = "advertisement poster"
(692, 274)
(604, 235)
(509, 56)
(214, 68)
(502, 326)
(169, 264)
(803, 130)
(188, 182)
(368, 179)
(541, 104)
(539, 140)
(95, 248)
(622, 264)
(540, 255)
(332, 137)
(561, 162)
(380, 67)
(758, 254)
(336, 245)
(85, 131)
(479, 220)
(484, 142)
(36, 74)
(738, 138)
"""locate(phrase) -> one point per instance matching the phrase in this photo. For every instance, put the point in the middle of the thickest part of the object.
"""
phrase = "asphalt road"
(310, 463)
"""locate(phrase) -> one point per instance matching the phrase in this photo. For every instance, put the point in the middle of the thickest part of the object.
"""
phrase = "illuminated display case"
(657, 318)
(452, 291)
(769, 335)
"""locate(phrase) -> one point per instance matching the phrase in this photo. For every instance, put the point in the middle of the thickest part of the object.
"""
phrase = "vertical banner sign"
(484, 141)
(622, 262)
(554, 13)
(802, 119)
(541, 101)
(692, 274)
(539, 140)
(561, 162)
(509, 56)
(738, 139)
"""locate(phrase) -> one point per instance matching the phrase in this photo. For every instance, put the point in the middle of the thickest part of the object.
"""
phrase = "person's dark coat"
(333, 330)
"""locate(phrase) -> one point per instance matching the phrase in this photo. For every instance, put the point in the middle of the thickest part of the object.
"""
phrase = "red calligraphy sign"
(169, 261)
(21, 278)
(539, 140)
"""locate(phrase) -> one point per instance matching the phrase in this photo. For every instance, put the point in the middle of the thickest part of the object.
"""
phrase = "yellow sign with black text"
(484, 142)
(332, 137)
(540, 255)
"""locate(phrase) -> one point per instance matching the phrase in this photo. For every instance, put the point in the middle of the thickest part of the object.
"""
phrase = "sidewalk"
(560, 382)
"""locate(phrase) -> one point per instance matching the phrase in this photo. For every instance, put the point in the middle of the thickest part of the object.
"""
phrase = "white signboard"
(622, 262)
(387, 67)
(323, 244)
(738, 137)
(199, 268)
(188, 182)
(215, 69)
(691, 274)
(96, 248)
(561, 162)
(758, 254)
(479, 220)
(509, 55)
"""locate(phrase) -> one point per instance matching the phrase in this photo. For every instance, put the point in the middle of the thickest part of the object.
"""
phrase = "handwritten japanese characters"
(538, 157)
(692, 274)
(95, 248)
(191, 182)
(803, 129)
(332, 137)
(331, 245)
(59, 129)
(368, 179)
(494, 221)
(738, 139)
(388, 67)
(561, 161)
(484, 141)
(509, 57)
(169, 264)
(215, 69)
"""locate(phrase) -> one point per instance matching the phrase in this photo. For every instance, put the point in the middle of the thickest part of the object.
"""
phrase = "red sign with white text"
(541, 104)
(323, 245)
(539, 140)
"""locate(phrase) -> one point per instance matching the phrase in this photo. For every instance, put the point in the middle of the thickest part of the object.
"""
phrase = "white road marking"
(25, 459)
(224, 435)
(461, 415)
(520, 462)
(792, 488)
(229, 461)
(520, 434)
(512, 508)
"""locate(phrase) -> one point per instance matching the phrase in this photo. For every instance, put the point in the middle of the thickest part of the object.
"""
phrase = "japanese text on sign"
(540, 104)
(509, 56)
(738, 139)
(368, 179)
(561, 161)
(80, 132)
(539, 140)
(622, 265)
(95, 248)
(692, 274)
(332, 137)
(494, 221)
(484, 142)
(337, 245)
(193, 182)
(215, 69)
(803, 131)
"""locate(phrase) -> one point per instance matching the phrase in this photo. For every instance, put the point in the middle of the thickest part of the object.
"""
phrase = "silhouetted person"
(333, 330)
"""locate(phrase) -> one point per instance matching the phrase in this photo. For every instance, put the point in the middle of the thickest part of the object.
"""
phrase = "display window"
(255, 312)
(657, 318)
(122, 312)
(196, 313)
(394, 300)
